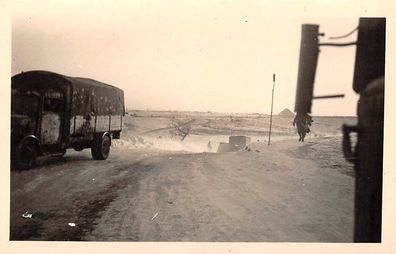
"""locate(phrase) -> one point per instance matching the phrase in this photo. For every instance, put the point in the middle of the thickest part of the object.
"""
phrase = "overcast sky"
(186, 55)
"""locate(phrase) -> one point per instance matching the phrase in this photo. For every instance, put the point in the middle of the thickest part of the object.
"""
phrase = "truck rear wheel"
(100, 149)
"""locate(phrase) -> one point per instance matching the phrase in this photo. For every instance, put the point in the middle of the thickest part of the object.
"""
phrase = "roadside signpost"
(272, 105)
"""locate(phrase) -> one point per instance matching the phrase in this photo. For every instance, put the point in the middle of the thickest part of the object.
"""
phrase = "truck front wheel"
(26, 155)
(100, 149)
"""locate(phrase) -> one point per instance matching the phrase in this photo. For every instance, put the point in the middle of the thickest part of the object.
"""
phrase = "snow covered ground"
(155, 188)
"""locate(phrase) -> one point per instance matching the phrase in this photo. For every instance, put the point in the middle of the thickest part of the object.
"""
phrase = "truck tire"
(100, 149)
(26, 155)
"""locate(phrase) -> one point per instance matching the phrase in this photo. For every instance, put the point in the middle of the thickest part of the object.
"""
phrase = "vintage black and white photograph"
(196, 121)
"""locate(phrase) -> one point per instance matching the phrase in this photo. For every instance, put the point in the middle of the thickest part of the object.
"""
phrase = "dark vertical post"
(368, 81)
(309, 52)
(272, 105)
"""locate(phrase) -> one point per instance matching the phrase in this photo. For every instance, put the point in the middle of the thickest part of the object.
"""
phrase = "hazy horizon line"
(219, 112)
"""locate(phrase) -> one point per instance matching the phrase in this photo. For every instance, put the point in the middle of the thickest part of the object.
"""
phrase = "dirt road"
(284, 192)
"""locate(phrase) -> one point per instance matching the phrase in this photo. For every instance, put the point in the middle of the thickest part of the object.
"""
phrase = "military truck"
(51, 113)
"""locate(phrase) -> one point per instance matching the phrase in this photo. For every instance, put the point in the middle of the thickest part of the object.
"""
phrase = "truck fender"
(33, 140)
(107, 133)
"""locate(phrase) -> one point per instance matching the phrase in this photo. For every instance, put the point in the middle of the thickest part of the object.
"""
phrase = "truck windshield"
(24, 105)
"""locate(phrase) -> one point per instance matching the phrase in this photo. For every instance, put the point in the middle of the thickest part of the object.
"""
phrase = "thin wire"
(341, 44)
(344, 36)
(338, 44)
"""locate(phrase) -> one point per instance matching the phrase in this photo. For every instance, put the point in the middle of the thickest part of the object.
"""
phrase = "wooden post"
(272, 105)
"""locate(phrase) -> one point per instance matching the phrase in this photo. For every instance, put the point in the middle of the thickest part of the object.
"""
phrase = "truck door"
(51, 122)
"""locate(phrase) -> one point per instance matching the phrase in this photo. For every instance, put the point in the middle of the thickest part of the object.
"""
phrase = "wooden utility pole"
(272, 105)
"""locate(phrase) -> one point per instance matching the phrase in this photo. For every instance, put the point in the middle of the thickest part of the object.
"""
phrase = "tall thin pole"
(272, 105)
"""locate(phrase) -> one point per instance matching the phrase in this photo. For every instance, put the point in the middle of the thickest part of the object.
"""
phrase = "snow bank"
(164, 143)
